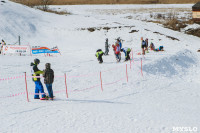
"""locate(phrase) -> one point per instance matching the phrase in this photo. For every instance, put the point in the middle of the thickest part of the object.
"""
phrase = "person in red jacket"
(116, 49)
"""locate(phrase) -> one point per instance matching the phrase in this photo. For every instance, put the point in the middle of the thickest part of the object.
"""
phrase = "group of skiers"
(145, 46)
(117, 48)
(48, 75)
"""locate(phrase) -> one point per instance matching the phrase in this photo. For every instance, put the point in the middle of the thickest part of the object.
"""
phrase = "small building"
(196, 12)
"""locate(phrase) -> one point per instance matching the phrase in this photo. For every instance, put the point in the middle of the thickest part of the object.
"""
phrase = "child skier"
(99, 54)
(1, 45)
(3, 42)
(147, 44)
(152, 47)
(119, 42)
(143, 46)
(161, 48)
(106, 47)
(116, 49)
(126, 52)
(38, 84)
(48, 79)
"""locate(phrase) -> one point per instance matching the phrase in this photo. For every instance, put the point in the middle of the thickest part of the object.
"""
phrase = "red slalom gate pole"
(66, 85)
(101, 82)
(126, 73)
(130, 64)
(141, 67)
(26, 87)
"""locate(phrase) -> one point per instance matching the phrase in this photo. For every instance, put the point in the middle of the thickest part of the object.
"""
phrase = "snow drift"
(172, 65)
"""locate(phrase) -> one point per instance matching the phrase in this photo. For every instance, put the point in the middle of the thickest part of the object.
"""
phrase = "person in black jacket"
(48, 79)
(36, 78)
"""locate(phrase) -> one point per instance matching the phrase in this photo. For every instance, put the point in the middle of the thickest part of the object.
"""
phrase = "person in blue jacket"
(126, 52)
(38, 84)
(119, 42)
(161, 48)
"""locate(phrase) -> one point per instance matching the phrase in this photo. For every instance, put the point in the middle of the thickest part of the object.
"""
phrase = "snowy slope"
(166, 96)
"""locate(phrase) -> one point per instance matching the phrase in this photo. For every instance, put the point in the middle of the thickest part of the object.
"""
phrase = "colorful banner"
(39, 50)
(16, 49)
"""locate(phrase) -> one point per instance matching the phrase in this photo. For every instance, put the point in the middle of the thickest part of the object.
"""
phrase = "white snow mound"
(172, 65)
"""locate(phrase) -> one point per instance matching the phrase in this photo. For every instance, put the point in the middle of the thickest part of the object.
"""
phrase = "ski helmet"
(36, 61)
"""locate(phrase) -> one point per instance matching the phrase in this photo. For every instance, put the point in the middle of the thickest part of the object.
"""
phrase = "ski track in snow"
(165, 97)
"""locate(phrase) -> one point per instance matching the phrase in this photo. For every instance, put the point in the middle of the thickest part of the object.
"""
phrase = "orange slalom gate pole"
(26, 87)
(66, 85)
(101, 82)
(141, 67)
(126, 73)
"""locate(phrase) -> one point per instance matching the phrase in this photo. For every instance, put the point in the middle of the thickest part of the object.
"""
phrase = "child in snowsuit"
(143, 46)
(38, 84)
(126, 52)
(119, 42)
(152, 47)
(106, 47)
(99, 54)
(3, 42)
(161, 48)
(48, 79)
(116, 49)
(1, 45)
(147, 44)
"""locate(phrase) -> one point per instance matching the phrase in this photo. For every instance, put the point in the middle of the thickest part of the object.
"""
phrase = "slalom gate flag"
(39, 50)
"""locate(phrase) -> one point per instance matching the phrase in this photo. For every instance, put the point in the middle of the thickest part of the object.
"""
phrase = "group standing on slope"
(117, 49)
(48, 75)
(145, 46)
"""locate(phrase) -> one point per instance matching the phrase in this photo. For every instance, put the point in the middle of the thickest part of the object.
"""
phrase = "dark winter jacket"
(36, 71)
(48, 74)
(144, 43)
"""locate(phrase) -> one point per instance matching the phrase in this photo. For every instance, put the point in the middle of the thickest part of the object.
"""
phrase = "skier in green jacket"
(99, 54)
(36, 79)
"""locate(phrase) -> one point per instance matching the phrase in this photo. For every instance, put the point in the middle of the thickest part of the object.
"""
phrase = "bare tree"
(45, 4)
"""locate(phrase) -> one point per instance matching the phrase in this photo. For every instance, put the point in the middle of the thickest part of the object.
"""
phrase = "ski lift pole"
(19, 40)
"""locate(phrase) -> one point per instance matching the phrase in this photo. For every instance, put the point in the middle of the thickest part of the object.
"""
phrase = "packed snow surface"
(163, 96)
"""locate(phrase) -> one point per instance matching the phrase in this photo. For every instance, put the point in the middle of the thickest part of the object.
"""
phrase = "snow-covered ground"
(165, 97)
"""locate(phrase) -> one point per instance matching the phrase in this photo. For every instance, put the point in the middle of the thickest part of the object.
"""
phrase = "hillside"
(78, 2)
